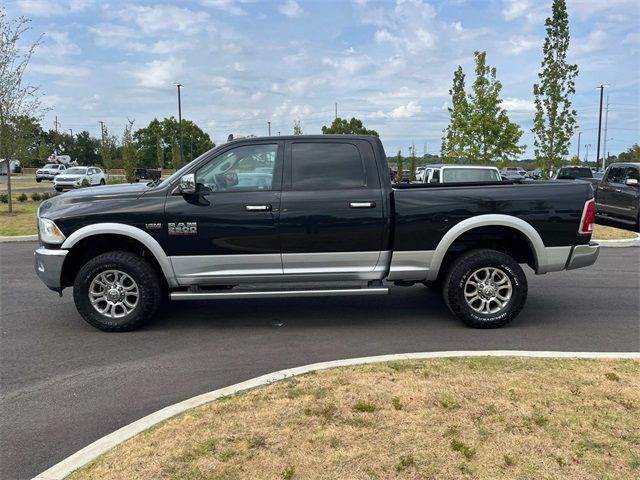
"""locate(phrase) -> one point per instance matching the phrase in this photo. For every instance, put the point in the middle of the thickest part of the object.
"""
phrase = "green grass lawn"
(22, 221)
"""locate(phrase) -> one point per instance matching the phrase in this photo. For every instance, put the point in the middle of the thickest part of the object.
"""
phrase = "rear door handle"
(362, 204)
(258, 208)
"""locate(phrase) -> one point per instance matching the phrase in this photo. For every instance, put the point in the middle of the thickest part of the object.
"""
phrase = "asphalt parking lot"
(65, 384)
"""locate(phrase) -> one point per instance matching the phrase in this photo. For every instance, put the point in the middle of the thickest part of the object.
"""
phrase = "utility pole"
(601, 87)
(586, 158)
(336, 110)
(55, 142)
(179, 86)
(579, 135)
(604, 149)
(269, 126)
(102, 131)
(71, 132)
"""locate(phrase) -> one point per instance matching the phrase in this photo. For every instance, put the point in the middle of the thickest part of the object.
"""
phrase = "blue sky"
(246, 62)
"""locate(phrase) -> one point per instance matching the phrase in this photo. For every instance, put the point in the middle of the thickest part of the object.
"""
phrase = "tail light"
(588, 217)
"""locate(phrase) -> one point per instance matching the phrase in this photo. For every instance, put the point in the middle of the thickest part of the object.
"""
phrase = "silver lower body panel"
(278, 293)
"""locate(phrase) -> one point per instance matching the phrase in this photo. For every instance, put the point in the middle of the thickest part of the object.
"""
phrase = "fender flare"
(492, 220)
(128, 231)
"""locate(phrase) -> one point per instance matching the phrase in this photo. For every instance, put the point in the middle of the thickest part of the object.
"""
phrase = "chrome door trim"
(188, 267)
(362, 204)
(334, 262)
(606, 205)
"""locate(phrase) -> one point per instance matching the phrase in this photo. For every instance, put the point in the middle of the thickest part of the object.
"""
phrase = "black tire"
(459, 279)
(38, 180)
(58, 189)
(102, 182)
(149, 290)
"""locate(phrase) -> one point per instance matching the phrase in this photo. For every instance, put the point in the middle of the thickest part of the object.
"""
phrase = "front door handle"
(258, 208)
(362, 204)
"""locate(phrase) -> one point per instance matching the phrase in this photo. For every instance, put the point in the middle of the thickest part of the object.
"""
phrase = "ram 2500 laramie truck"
(252, 215)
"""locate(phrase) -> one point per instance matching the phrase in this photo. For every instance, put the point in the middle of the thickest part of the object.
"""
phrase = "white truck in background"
(56, 164)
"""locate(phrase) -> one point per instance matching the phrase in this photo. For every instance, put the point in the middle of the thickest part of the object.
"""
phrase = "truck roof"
(305, 137)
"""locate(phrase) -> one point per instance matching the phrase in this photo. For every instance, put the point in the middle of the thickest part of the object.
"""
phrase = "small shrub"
(509, 461)
(289, 472)
(397, 404)
(539, 419)
(467, 451)
(36, 197)
(405, 462)
(85, 183)
(361, 406)
(22, 197)
(449, 403)
(4, 198)
(612, 376)
(257, 441)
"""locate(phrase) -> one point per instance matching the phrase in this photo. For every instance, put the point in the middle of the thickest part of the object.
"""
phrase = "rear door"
(625, 197)
(332, 220)
(612, 181)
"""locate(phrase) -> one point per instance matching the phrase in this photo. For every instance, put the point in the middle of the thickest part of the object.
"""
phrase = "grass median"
(485, 418)
(603, 232)
(22, 221)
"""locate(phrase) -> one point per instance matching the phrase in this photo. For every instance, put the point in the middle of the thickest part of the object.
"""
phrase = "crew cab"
(618, 194)
(307, 216)
(49, 171)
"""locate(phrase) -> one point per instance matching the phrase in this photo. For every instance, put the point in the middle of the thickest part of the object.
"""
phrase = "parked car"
(15, 165)
(330, 215)
(618, 194)
(420, 174)
(461, 173)
(574, 172)
(49, 171)
(534, 174)
(148, 174)
(75, 176)
(516, 170)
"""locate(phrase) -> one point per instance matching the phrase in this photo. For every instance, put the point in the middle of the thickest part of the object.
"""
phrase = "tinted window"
(616, 175)
(242, 169)
(575, 173)
(317, 166)
(632, 173)
(436, 177)
(470, 175)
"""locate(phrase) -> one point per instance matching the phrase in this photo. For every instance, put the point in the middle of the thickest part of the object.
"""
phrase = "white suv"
(74, 177)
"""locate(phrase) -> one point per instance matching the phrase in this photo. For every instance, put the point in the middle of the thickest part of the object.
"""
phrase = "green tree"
(297, 128)
(175, 155)
(575, 160)
(555, 120)
(493, 136)
(196, 141)
(159, 153)
(456, 141)
(352, 127)
(399, 165)
(43, 150)
(107, 149)
(129, 153)
(412, 169)
(632, 154)
(85, 149)
(17, 98)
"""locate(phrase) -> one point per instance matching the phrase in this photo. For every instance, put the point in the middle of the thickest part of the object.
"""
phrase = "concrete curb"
(19, 238)
(629, 242)
(106, 443)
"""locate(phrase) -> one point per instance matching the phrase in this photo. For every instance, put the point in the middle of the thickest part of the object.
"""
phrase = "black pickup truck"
(252, 215)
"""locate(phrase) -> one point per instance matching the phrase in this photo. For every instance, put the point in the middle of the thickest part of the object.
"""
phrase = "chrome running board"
(204, 295)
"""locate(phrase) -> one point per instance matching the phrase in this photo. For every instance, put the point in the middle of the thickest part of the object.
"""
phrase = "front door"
(332, 221)
(227, 231)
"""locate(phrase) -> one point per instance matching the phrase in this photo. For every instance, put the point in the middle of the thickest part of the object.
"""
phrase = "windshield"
(575, 173)
(470, 175)
(50, 165)
(76, 171)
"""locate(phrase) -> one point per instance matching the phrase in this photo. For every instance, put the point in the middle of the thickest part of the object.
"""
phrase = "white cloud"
(349, 64)
(291, 9)
(56, 43)
(59, 70)
(230, 6)
(160, 19)
(595, 41)
(158, 73)
(519, 105)
(405, 111)
(533, 11)
(519, 44)
(49, 8)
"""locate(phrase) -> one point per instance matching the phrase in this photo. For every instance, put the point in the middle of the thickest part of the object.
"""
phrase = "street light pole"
(269, 125)
(579, 135)
(601, 87)
(179, 86)
(586, 158)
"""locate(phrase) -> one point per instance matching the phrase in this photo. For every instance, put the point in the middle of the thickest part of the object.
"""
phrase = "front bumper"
(583, 255)
(66, 184)
(48, 264)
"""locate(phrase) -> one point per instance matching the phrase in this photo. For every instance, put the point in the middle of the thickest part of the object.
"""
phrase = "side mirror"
(188, 184)
(632, 182)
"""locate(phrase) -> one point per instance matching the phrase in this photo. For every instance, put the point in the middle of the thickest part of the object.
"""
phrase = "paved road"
(65, 384)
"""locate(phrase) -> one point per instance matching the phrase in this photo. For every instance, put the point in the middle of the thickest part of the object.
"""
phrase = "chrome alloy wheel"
(488, 290)
(113, 293)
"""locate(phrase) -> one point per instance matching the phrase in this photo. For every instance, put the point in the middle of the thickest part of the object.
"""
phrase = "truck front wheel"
(117, 291)
(485, 288)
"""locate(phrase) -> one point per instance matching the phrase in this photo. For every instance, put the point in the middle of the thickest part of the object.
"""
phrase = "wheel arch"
(121, 237)
(495, 221)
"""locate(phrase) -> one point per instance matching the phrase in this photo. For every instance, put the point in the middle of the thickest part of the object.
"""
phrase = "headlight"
(49, 232)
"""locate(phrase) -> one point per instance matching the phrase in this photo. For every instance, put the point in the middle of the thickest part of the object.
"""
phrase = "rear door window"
(322, 166)
(616, 175)
(632, 173)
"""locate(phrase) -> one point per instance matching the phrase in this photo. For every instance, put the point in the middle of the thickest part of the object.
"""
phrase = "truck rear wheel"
(117, 291)
(485, 288)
